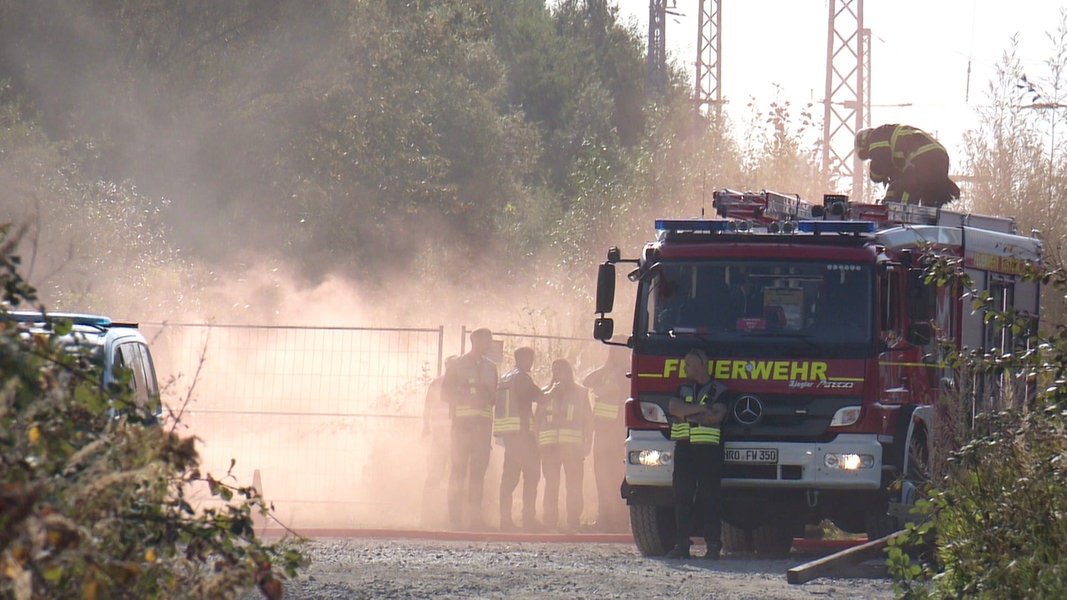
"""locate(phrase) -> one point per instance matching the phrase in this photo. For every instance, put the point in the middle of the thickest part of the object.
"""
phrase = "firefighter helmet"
(862, 143)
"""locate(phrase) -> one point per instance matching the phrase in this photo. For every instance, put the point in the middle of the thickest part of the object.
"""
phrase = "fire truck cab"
(819, 322)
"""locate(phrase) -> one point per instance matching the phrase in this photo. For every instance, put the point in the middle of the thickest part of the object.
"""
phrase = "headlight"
(845, 416)
(652, 412)
(651, 458)
(848, 461)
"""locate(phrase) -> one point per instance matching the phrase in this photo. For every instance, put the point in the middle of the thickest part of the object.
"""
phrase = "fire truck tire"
(917, 470)
(735, 539)
(653, 529)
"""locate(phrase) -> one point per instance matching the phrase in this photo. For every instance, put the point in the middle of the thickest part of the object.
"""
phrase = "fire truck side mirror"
(605, 288)
(603, 329)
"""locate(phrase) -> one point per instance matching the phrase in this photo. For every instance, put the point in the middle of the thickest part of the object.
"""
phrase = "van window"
(135, 357)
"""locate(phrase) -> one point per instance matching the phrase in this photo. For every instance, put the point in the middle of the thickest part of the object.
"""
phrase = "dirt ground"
(419, 568)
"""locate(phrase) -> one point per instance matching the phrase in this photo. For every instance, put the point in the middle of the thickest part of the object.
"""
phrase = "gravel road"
(414, 568)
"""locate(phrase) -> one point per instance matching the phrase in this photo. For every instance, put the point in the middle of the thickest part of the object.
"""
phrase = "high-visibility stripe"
(552, 437)
(893, 137)
(695, 433)
(506, 424)
(559, 428)
(680, 431)
(606, 410)
(469, 411)
(570, 436)
(704, 434)
(503, 421)
(925, 148)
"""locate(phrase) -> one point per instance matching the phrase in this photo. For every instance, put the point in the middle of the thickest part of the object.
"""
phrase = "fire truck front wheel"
(653, 528)
(772, 540)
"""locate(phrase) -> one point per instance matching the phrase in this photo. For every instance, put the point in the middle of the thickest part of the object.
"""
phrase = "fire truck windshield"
(821, 306)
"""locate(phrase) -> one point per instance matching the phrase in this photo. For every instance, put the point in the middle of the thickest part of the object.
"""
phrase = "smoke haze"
(331, 165)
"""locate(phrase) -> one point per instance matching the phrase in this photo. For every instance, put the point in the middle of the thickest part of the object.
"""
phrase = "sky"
(920, 53)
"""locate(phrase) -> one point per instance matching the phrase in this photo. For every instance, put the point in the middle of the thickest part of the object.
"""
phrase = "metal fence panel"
(331, 417)
(319, 412)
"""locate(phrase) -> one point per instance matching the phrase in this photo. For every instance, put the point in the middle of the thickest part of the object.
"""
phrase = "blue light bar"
(695, 225)
(31, 316)
(818, 227)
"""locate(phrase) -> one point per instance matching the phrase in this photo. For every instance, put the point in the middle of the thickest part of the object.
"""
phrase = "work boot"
(678, 552)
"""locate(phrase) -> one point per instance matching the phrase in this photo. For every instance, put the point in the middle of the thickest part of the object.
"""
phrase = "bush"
(95, 506)
(998, 518)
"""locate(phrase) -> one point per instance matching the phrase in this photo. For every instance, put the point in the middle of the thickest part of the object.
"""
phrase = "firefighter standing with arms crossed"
(513, 426)
(698, 456)
(470, 387)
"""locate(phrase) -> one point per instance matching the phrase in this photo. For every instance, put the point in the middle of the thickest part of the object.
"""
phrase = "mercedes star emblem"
(748, 410)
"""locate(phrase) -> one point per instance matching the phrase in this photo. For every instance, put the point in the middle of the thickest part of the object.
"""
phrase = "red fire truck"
(818, 320)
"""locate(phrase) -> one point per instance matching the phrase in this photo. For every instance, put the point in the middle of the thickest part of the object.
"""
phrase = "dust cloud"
(316, 392)
(290, 365)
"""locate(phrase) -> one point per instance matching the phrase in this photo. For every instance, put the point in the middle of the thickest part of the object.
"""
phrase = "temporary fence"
(582, 353)
(331, 418)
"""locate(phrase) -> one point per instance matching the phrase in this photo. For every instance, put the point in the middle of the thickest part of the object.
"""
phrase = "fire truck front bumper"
(848, 462)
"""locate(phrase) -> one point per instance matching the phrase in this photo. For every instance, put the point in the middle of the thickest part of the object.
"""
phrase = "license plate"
(760, 456)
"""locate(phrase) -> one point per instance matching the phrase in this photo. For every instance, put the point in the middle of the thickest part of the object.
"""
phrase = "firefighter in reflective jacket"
(698, 456)
(610, 387)
(470, 388)
(911, 161)
(564, 434)
(513, 427)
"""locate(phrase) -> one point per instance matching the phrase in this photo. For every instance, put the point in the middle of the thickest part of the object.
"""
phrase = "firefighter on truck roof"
(910, 161)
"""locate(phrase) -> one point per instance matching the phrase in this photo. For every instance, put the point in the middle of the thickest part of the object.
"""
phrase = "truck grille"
(770, 472)
(783, 417)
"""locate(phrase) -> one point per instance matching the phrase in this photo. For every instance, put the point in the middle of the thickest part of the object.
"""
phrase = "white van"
(108, 343)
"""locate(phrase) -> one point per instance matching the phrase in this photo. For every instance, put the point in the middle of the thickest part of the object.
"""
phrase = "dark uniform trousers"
(569, 459)
(521, 459)
(609, 469)
(924, 182)
(697, 485)
(471, 444)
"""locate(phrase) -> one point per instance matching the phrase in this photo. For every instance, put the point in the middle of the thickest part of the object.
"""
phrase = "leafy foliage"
(1016, 155)
(996, 517)
(95, 506)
